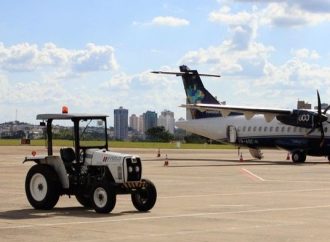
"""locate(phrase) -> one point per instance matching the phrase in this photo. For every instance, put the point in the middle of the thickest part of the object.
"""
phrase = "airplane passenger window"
(265, 129)
(282, 129)
(294, 129)
(244, 128)
(260, 129)
(326, 130)
(289, 129)
(254, 129)
(271, 129)
(277, 129)
(249, 129)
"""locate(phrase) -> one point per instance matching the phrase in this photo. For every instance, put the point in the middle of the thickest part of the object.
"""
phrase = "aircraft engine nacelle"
(299, 118)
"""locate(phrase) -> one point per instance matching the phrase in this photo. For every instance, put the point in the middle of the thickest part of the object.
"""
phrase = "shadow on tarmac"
(20, 214)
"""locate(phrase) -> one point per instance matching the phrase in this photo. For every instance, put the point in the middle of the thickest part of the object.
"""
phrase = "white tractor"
(89, 171)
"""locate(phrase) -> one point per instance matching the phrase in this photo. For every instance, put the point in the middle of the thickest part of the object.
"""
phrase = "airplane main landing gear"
(298, 157)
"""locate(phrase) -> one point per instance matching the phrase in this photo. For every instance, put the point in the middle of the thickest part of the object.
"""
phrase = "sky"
(95, 56)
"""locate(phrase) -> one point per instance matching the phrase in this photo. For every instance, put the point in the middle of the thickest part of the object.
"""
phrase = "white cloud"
(224, 16)
(242, 25)
(229, 60)
(94, 58)
(280, 14)
(294, 74)
(20, 57)
(286, 15)
(145, 79)
(169, 21)
(118, 81)
(4, 84)
(315, 6)
(306, 54)
(30, 57)
(35, 92)
(281, 85)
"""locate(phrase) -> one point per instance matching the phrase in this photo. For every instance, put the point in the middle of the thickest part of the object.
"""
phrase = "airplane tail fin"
(197, 93)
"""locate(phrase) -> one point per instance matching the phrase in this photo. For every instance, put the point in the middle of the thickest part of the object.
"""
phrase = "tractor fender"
(56, 163)
(37, 159)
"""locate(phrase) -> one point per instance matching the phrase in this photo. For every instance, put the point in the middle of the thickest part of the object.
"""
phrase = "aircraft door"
(231, 134)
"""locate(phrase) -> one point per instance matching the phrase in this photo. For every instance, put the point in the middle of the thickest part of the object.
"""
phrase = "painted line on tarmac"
(177, 216)
(245, 193)
(251, 174)
(229, 205)
(300, 181)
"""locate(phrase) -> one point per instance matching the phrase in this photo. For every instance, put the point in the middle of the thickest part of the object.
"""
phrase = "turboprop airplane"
(301, 132)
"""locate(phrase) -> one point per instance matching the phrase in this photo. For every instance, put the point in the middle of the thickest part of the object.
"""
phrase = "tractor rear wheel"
(42, 187)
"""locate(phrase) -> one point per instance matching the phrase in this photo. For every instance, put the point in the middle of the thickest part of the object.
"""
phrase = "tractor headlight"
(130, 169)
(137, 169)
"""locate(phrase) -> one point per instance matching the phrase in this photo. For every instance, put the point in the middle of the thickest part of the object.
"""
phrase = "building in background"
(303, 105)
(121, 123)
(150, 120)
(166, 119)
(141, 124)
(134, 122)
(323, 106)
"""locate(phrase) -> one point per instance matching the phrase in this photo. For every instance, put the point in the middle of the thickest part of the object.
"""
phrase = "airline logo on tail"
(194, 95)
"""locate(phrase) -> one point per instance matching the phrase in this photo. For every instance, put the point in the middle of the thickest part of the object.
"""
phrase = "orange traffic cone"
(158, 153)
(288, 156)
(241, 158)
(166, 161)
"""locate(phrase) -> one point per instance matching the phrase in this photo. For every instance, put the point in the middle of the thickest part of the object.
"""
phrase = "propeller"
(319, 119)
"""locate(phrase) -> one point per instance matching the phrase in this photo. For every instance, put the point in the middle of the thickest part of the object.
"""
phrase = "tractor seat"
(67, 155)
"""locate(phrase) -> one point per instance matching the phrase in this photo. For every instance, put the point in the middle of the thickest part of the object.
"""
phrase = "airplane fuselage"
(257, 133)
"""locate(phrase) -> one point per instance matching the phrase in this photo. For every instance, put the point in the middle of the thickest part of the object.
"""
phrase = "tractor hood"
(100, 157)
(123, 167)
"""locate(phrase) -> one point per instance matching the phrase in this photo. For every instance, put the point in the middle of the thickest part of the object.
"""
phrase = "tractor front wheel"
(103, 198)
(145, 198)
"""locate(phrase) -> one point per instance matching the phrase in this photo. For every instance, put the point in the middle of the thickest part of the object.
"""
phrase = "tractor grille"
(134, 169)
(133, 184)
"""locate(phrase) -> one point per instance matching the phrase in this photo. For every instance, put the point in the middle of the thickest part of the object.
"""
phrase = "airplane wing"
(248, 112)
